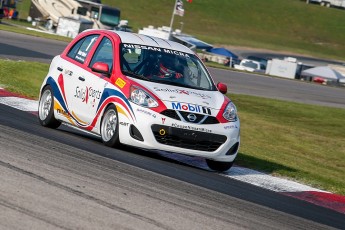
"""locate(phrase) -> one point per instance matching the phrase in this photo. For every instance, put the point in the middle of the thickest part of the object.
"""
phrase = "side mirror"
(222, 88)
(101, 67)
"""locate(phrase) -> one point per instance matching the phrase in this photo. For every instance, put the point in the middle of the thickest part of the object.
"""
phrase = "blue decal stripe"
(57, 93)
(111, 92)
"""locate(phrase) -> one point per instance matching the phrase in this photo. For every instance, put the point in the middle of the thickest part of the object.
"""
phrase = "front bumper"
(187, 139)
(218, 142)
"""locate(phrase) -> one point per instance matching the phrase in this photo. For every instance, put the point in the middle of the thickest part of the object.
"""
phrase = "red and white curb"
(17, 101)
(280, 185)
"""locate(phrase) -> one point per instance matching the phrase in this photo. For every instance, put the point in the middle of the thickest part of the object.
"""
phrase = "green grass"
(22, 77)
(298, 141)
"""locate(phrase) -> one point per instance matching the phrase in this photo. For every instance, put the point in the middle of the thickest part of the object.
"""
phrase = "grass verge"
(22, 77)
(297, 141)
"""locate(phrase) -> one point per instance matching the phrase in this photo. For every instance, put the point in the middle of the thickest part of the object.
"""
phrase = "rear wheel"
(110, 127)
(218, 165)
(46, 109)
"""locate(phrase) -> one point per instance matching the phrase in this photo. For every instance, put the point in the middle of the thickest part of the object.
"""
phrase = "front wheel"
(46, 109)
(218, 165)
(110, 127)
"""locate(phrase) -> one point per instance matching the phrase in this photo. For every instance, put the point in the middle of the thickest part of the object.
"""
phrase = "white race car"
(141, 91)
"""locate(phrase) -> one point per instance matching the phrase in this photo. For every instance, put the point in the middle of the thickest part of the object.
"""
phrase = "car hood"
(187, 99)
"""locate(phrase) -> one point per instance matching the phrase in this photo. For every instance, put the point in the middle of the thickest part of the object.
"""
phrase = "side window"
(104, 53)
(81, 49)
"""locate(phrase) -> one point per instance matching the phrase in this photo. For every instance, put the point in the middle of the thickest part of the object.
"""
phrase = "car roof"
(140, 39)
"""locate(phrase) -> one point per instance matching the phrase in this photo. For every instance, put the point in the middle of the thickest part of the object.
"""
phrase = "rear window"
(82, 48)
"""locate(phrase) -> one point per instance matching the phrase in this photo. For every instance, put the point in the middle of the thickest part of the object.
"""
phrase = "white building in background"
(286, 68)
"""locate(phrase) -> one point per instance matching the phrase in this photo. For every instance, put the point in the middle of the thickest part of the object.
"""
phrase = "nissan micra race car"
(141, 91)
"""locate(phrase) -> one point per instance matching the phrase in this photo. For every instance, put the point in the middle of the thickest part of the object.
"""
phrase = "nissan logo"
(191, 117)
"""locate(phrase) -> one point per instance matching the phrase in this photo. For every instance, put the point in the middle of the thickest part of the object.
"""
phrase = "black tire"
(110, 127)
(46, 109)
(218, 165)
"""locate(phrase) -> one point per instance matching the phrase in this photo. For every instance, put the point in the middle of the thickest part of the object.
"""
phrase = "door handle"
(60, 69)
(81, 78)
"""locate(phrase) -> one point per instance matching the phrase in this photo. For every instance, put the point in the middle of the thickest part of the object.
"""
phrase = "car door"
(96, 82)
(75, 74)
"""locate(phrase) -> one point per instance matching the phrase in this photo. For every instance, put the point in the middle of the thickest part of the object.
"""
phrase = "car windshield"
(164, 66)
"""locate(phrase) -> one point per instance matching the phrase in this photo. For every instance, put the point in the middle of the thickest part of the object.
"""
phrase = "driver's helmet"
(169, 67)
(169, 61)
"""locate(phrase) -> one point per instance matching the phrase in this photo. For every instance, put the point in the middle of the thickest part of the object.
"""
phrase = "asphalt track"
(65, 179)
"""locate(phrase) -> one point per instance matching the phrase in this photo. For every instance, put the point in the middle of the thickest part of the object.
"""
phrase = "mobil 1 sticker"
(192, 108)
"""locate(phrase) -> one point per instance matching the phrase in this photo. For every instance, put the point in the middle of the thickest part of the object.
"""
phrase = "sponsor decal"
(68, 72)
(84, 94)
(120, 83)
(146, 112)
(81, 56)
(163, 120)
(190, 108)
(175, 125)
(231, 127)
(63, 112)
(180, 91)
(124, 123)
(81, 53)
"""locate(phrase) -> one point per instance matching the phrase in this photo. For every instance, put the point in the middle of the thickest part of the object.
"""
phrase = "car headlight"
(230, 112)
(142, 98)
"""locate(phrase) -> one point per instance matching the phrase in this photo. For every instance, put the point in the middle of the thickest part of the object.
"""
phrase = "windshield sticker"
(157, 49)
(190, 108)
(181, 91)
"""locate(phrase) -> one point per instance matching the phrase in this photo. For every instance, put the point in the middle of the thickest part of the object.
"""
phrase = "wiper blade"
(172, 83)
(133, 74)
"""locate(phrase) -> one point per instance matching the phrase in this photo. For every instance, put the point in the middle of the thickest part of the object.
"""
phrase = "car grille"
(200, 118)
(188, 139)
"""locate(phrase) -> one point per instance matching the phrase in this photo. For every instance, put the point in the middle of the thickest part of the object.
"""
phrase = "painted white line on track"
(20, 103)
